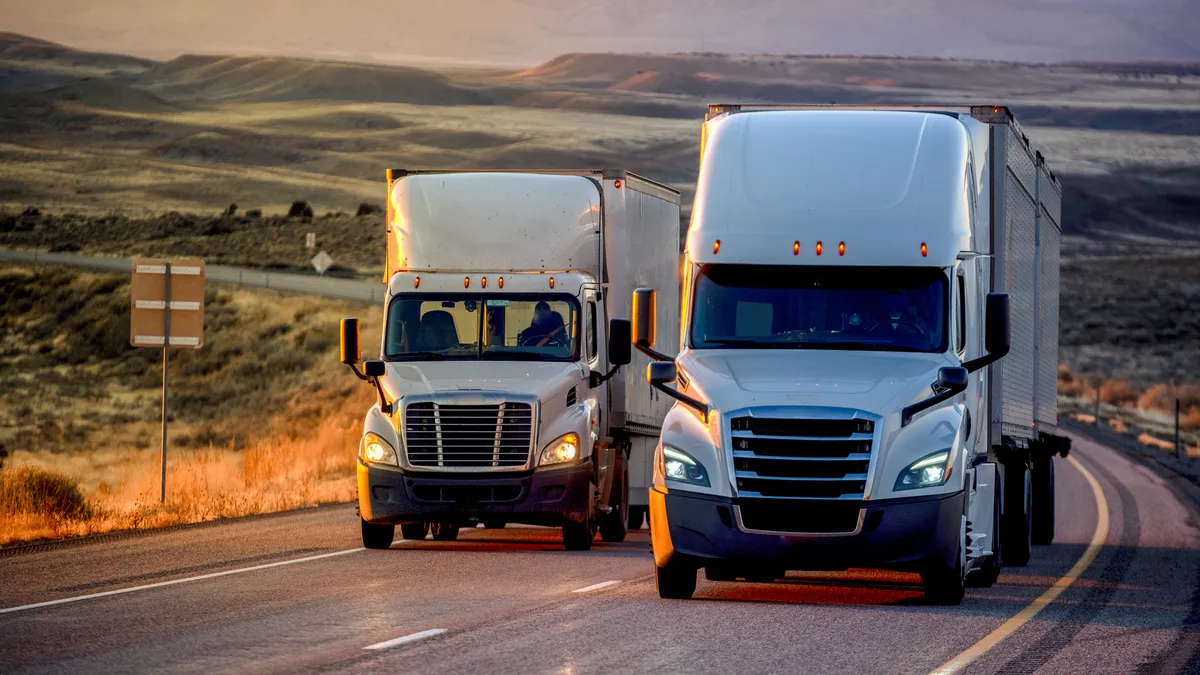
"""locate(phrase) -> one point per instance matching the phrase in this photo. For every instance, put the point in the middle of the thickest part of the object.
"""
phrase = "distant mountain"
(524, 32)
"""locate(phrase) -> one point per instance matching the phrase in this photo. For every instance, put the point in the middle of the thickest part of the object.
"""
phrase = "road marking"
(596, 587)
(1009, 627)
(213, 575)
(407, 638)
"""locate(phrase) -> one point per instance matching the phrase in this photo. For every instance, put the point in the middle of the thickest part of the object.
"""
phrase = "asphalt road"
(295, 593)
(310, 284)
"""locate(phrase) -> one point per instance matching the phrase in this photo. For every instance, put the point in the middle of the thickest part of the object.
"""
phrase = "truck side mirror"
(374, 368)
(350, 353)
(620, 342)
(998, 332)
(952, 381)
(644, 317)
(950, 377)
(659, 373)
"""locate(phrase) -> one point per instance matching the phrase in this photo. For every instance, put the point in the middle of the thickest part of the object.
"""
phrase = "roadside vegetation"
(262, 418)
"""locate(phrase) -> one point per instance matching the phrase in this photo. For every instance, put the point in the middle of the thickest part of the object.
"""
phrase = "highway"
(295, 592)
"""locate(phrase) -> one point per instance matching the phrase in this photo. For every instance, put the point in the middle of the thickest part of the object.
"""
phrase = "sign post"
(159, 289)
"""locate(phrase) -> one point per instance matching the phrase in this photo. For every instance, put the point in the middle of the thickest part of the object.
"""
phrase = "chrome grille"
(468, 436)
(787, 458)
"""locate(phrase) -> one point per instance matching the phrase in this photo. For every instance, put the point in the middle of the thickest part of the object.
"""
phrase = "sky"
(526, 32)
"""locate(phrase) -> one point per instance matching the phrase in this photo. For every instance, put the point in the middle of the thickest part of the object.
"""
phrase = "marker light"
(417, 282)
(616, 183)
(820, 248)
(796, 248)
(466, 282)
(716, 246)
(924, 250)
(501, 282)
(551, 282)
(841, 248)
(483, 282)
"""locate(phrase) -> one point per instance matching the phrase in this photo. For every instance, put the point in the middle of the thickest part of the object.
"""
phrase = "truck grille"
(468, 436)
(802, 458)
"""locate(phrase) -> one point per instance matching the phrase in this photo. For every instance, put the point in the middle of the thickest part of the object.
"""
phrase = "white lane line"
(407, 638)
(958, 663)
(596, 587)
(119, 591)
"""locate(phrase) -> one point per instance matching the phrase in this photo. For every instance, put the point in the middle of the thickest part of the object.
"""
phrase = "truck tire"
(444, 531)
(637, 516)
(1016, 532)
(414, 531)
(613, 527)
(377, 536)
(1042, 482)
(579, 536)
(944, 584)
(987, 574)
(675, 582)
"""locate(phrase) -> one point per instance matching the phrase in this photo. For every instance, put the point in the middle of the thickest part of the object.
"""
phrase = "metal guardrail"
(342, 289)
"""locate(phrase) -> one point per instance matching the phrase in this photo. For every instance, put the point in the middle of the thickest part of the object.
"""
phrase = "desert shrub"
(366, 209)
(1070, 384)
(300, 209)
(1118, 392)
(254, 214)
(29, 490)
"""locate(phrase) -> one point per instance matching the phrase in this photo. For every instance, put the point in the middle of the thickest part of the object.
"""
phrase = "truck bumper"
(550, 497)
(892, 534)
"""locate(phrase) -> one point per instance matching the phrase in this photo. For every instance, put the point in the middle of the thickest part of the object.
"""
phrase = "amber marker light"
(417, 282)
(796, 248)
(820, 247)
(551, 282)
(716, 246)
(500, 282)
(483, 282)
(616, 183)
(841, 248)
(924, 250)
(466, 282)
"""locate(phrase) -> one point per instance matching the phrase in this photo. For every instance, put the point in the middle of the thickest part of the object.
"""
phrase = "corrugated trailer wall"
(1026, 240)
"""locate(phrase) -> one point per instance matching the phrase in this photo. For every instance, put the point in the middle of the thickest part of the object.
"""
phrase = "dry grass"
(40, 500)
(1157, 400)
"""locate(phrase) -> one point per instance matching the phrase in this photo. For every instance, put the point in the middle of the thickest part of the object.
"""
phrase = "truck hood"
(870, 381)
(519, 377)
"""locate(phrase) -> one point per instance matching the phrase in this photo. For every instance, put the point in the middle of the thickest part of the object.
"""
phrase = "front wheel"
(613, 527)
(1016, 532)
(579, 536)
(675, 582)
(377, 536)
(944, 584)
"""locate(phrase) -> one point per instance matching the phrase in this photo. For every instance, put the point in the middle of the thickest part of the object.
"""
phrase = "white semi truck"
(501, 398)
(853, 388)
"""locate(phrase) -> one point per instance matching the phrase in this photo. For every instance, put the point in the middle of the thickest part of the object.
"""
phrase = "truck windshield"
(777, 307)
(471, 327)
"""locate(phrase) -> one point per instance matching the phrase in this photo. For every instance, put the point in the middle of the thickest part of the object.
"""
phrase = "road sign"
(148, 322)
(322, 262)
(167, 310)
(310, 240)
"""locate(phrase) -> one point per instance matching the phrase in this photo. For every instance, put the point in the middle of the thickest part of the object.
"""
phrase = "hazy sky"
(514, 32)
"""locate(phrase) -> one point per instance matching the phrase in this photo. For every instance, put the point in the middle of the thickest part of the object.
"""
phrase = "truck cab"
(499, 364)
(840, 318)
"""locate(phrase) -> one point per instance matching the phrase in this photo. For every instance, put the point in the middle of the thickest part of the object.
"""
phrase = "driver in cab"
(547, 328)
(902, 318)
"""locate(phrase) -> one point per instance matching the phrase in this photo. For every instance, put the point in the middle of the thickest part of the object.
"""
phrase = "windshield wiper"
(518, 356)
(411, 356)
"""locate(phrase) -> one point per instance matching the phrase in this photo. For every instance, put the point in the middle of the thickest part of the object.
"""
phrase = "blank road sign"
(322, 262)
(148, 302)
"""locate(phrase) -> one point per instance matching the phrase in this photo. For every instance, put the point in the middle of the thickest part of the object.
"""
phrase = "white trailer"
(853, 389)
(501, 393)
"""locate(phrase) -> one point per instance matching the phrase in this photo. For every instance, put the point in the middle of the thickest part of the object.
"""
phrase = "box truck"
(501, 397)
(869, 348)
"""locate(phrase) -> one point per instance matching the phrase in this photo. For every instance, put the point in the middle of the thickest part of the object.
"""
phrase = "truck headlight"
(678, 465)
(929, 471)
(375, 450)
(563, 449)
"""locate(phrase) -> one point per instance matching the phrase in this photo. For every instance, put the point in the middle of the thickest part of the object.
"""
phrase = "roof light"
(417, 282)
(716, 246)
(551, 282)
(796, 248)
(616, 183)
(841, 248)
(501, 282)
(924, 250)
(466, 282)
(483, 282)
(820, 248)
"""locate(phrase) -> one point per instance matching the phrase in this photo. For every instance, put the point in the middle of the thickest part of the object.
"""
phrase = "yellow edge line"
(1009, 627)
